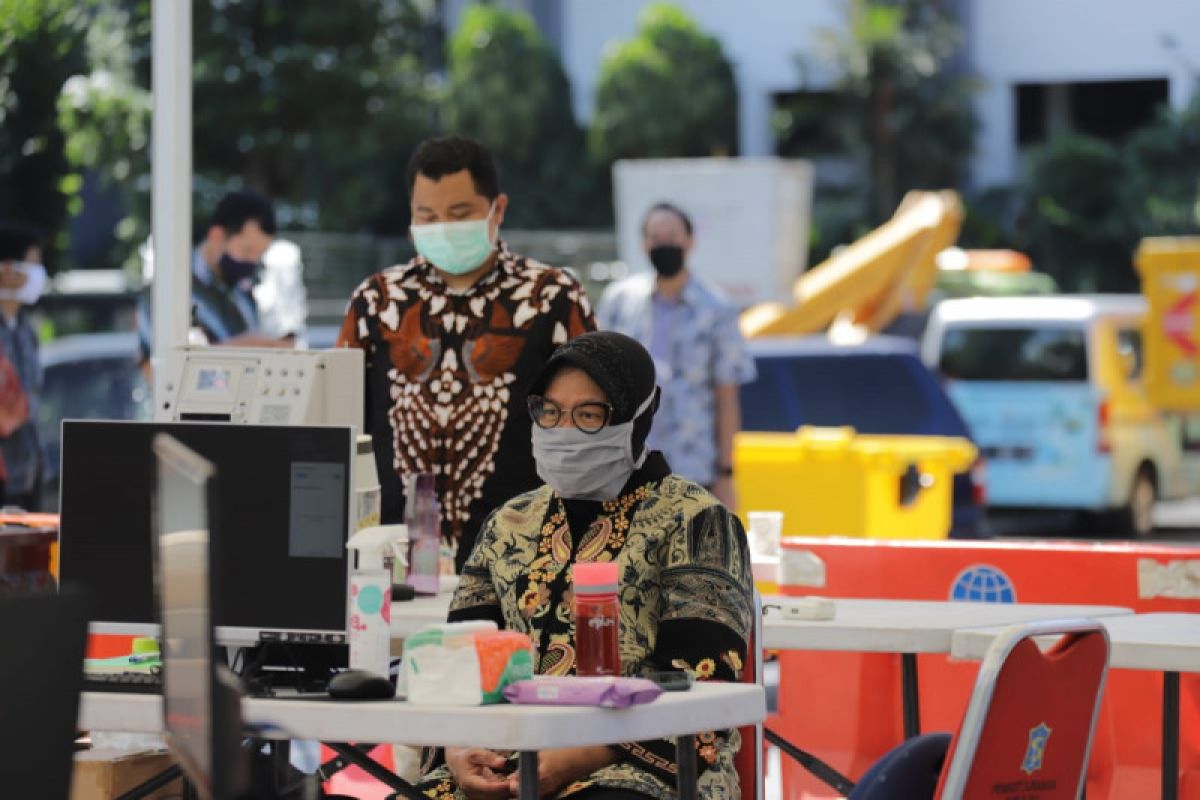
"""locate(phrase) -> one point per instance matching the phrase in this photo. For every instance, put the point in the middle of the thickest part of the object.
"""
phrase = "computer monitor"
(280, 545)
(201, 704)
(41, 673)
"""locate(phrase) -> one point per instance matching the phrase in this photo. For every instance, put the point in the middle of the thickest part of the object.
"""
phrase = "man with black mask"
(692, 333)
(225, 265)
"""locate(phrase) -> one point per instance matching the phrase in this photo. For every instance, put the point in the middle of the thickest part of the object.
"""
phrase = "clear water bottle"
(423, 517)
(597, 618)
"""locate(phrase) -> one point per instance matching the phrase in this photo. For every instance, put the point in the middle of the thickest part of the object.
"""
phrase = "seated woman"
(686, 593)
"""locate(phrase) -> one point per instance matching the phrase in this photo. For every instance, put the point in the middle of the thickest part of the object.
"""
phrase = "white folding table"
(1167, 643)
(525, 728)
(907, 627)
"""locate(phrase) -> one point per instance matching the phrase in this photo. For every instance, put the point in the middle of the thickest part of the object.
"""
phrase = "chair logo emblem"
(1036, 750)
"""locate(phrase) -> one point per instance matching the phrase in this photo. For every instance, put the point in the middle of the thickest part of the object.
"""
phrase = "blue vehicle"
(879, 387)
(1053, 390)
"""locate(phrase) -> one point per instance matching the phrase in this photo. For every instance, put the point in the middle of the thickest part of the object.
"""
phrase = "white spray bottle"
(370, 602)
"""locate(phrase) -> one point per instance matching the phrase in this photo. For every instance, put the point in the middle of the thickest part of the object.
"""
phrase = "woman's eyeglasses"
(588, 417)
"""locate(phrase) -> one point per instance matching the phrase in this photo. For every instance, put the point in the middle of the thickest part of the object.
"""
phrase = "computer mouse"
(358, 684)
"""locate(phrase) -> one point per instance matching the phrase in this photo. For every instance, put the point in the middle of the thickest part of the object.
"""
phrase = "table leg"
(151, 785)
(281, 766)
(1170, 736)
(527, 766)
(685, 759)
(911, 700)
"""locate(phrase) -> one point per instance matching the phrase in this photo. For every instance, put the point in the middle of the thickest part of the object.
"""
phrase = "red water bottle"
(597, 618)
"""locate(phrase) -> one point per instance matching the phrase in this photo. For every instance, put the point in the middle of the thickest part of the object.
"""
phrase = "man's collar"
(688, 296)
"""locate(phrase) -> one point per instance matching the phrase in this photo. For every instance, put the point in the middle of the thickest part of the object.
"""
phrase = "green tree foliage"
(104, 113)
(1083, 204)
(508, 89)
(1077, 221)
(1164, 158)
(41, 45)
(318, 105)
(898, 107)
(667, 92)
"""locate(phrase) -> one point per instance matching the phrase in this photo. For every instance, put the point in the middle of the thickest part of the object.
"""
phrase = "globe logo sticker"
(370, 600)
(983, 583)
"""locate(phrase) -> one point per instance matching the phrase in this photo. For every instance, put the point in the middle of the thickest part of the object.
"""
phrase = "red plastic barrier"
(845, 707)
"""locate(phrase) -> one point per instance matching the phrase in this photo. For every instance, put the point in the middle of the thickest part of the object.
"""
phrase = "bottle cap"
(596, 577)
(371, 544)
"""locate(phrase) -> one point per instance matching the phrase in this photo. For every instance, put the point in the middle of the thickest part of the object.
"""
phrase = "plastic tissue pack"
(607, 691)
(464, 664)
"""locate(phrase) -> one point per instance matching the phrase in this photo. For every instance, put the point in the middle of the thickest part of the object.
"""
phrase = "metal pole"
(527, 768)
(171, 171)
(909, 692)
(1170, 736)
(685, 762)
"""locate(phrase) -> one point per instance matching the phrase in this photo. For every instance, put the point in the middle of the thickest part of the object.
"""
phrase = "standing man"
(453, 340)
(692, 333)
(22, 279)
(225, 266)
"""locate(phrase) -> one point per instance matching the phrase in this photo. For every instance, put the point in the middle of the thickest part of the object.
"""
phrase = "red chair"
(749, 760)
(1027, 731)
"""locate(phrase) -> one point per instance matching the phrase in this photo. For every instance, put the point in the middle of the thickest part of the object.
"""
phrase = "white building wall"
(1059, 41)
(761, 38)
(1008, 42)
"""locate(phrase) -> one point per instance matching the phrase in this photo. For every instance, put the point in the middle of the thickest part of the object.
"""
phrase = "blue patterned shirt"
(700, 349)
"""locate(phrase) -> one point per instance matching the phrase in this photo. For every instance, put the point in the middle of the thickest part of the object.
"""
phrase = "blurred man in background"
(225, 267)
(692, 334)
(22, 279)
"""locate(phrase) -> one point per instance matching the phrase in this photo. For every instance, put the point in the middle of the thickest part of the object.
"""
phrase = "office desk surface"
(513, 727)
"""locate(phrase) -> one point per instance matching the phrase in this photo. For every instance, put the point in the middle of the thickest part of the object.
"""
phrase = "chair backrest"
(749, 760)
(1029, 724)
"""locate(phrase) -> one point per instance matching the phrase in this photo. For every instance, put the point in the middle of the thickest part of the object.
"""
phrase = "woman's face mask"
(30, 289)
(455, 247)
(588, 466)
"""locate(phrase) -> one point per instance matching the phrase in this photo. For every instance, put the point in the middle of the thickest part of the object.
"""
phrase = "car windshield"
(1015, 354)
(873, 393)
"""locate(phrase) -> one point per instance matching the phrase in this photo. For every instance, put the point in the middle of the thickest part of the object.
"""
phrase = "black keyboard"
(136, 682)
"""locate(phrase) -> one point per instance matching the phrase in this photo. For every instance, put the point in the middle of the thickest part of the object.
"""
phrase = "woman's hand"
(558, 769)
(477, 772)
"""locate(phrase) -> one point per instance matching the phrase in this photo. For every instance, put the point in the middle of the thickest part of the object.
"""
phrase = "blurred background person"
(693, 336)
(225, 266)
(22, 279)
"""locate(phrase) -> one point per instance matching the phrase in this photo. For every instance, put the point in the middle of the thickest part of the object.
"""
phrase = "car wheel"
(1136, 519)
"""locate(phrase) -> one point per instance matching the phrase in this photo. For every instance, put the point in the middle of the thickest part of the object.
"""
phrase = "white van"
(1051, 389)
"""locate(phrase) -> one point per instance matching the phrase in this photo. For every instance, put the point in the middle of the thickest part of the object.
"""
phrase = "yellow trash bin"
(1170, 270)
(834, 482)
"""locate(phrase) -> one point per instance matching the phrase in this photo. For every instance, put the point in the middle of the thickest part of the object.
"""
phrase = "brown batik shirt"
(447, 374)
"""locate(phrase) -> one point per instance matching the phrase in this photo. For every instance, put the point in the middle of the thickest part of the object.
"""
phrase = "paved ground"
(1177, 523)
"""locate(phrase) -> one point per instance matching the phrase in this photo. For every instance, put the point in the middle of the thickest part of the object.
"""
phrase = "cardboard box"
(102, 774)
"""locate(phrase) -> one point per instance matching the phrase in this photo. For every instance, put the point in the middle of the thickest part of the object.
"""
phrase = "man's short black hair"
(672, 208)
(237, 208)
(16, 238)
(438, 157)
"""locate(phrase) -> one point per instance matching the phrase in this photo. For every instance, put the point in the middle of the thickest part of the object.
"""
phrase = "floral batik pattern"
(686, 603)
(448, 373)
